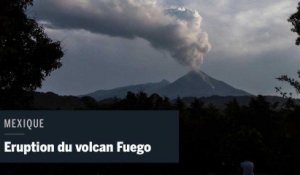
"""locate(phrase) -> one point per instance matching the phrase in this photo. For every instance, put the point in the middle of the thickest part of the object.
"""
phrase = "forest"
(217, 139)
(212, 139)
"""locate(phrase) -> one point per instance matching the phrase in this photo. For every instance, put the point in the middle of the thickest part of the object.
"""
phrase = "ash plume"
(175, 30)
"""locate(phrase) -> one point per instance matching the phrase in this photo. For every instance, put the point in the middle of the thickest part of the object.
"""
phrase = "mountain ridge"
(192, 84)
(120, 92)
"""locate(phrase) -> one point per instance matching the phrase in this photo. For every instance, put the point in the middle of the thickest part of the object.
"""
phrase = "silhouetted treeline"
(215, 139)
(212, 139)
(218, 139)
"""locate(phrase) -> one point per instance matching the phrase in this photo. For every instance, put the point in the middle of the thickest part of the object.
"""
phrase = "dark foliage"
(218, 139)
(292, 82)
(211, 139)
(27, 55)
(295, 20)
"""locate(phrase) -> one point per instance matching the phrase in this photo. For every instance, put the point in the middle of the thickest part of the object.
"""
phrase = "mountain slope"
(122, 91)
(199, 84)
(193, 84)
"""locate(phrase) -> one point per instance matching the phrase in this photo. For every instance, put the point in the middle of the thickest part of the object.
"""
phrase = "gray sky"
(111, 43)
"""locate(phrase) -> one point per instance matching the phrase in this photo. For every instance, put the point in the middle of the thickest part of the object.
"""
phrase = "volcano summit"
(193, 84)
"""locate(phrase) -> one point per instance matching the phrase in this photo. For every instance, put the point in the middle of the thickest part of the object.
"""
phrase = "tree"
(27, 54)
(293, 82)
(295, 20)
(89, 102)
(180, 105)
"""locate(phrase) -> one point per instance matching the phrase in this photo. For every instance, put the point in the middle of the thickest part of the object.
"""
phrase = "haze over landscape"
(250, 43)
(193, 84)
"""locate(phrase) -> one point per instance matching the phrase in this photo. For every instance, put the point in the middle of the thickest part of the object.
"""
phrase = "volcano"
(199, 84)
(193, 84)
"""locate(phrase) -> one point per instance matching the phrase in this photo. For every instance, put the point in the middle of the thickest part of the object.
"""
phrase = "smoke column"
(175, 30)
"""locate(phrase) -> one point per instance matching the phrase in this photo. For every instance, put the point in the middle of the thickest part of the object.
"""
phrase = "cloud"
(243, 28)
(252, 45)
(175, 30)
